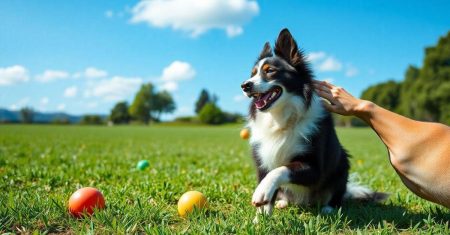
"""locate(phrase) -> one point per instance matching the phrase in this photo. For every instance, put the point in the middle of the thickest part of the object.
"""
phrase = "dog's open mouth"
(264, 100)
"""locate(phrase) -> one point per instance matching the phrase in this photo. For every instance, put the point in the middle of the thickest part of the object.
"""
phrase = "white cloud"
(92, 72)
(20, 104)
(12, 75)
(324, 62)
(196, 17)
(177, 71)
(351, 71)
(52, 75)
(44, 101)
(61, 107)
(315, 56)
(92, 105)
(109, 14)
(330, 64)
(239, 98)
(169, 86)
(70, 92)
(114, 89)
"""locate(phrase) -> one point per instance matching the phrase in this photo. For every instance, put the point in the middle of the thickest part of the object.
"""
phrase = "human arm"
(418, 151)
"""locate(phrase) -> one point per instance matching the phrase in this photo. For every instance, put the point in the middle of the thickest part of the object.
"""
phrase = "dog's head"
(275, 79)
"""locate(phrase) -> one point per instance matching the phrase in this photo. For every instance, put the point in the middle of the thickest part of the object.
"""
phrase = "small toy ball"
(245, 133)
(84, 200)
(143, 164)
(190, 200)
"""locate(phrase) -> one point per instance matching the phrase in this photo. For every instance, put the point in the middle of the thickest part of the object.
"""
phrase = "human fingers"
(326, 95)
(324, 84)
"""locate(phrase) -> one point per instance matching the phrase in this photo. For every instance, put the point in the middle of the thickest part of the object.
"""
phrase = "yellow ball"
(191, 200)
(245, 133)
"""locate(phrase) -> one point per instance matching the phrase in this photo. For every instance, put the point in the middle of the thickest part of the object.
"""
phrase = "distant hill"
(39, 117)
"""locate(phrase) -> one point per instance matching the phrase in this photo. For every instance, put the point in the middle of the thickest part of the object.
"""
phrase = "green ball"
(143, 164)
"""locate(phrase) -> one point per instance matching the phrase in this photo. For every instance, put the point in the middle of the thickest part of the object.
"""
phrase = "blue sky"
(84, 56)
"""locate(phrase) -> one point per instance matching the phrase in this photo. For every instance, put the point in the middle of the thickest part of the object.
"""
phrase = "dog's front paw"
(265, 210)
(264, 193)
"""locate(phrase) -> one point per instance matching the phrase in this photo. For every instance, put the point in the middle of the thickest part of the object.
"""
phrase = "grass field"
(41, 166)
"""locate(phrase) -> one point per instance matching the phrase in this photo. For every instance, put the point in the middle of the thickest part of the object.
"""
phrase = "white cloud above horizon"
(351, 71)
(115, 89)
(92, 72)
(330, 64)
(23, 102)
(196, 17)
(13, 74)
(51, 75)
(70, 92)
(176, 72)
(44, 100)
(324, 62)
(61, 107)
(313, 57)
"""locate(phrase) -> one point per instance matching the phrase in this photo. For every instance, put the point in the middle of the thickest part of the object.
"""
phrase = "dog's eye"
(270, 70)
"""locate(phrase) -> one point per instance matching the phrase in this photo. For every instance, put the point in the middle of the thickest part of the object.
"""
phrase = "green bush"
(211, 114)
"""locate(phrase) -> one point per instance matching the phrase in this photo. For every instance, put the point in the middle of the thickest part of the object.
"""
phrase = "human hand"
(339, 100)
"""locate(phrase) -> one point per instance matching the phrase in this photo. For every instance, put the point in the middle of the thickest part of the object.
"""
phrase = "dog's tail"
(362, 193)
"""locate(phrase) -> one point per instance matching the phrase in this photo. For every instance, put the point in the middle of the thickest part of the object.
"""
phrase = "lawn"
(41, 166)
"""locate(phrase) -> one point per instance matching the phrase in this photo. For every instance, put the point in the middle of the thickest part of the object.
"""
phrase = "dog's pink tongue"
(261, 102)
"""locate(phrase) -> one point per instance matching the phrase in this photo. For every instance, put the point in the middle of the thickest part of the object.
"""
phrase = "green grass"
(41, 166)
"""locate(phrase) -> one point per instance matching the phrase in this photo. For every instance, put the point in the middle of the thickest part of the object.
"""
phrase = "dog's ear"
(266, 52)
(286, 48)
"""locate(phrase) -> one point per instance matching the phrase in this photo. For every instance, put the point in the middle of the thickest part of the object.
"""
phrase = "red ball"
(84, 200)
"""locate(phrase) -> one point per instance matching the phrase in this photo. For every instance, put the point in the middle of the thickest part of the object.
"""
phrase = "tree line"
(148, 106)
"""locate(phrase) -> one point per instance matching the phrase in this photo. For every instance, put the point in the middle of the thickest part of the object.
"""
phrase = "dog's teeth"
(273, 95)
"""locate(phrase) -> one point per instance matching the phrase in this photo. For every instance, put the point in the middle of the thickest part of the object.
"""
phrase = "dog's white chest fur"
(281, 134)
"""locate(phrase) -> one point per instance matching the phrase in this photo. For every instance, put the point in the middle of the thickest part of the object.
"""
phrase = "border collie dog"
(298, 156)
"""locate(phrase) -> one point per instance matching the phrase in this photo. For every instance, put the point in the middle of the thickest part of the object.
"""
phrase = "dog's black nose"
(247, 86)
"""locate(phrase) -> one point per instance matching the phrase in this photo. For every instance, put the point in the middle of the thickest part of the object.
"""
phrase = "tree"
(202, 100)
(408, 104)
(433, 83)
(143, 103)
(26, 115)
(163, 103)
(119, 114)
(385, 94)
(211, 114)
(91, 120)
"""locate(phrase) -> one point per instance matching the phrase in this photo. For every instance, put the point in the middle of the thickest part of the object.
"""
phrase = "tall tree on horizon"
(142, 103)
(202, 100)
(163, 103)
(26, 115)
(119, 114)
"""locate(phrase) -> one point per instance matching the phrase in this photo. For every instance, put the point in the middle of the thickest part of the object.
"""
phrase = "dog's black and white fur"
(298, 155)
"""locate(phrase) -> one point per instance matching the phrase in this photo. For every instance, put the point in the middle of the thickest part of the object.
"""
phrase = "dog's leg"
(266, 209)
(299, 174)
(264, 193)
